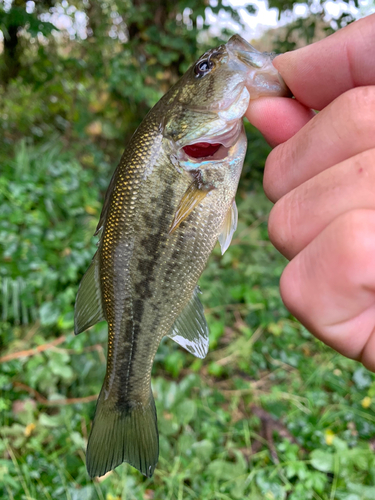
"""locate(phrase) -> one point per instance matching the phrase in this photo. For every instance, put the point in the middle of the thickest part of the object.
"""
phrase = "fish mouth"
(262, 78)
(209, 148)
(215, 145)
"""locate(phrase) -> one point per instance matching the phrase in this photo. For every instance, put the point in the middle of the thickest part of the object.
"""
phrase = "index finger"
(320, 72)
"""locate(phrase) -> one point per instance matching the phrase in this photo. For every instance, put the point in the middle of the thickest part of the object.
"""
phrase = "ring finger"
(299, 216)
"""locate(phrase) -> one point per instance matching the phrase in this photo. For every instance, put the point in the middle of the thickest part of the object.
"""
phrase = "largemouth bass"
(170, 199)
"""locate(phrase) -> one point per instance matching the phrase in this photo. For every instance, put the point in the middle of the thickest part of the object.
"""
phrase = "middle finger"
(343, 129)
(299, 216)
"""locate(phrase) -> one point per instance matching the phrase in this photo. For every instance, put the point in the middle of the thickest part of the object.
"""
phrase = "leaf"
(48, 421)
(85, 493)
(322, 460)
(240, 484)
(271, 489)
(251, 9)
(77, 440)
(185, 443)
(49, 313)
(59, 365)
(203, 449)
(362, 378)
(225, 470)
(339, 445)
(363, 492)
(185, 411)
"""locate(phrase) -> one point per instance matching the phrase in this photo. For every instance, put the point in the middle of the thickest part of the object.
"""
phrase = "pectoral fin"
(229, 226)
(190, 330)
(88, 309)
(192, 197)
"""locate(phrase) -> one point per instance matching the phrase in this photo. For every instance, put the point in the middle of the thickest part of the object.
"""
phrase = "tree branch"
(31, 352)
(56, 402)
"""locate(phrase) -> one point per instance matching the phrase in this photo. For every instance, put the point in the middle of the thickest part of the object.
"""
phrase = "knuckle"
(366, 355)
(281, 226)
(274, 225)
(358, 107)
(293, 287)
(356, 243)
(364, 166)
(274, 173)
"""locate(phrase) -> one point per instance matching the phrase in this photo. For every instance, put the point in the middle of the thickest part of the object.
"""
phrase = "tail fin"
(123, 436)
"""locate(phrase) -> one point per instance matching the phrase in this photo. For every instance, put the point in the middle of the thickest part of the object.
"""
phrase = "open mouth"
(205, 150)
(211, 148)
(201, 149)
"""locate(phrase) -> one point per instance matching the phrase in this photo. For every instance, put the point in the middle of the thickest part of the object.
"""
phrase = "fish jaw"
(262, 78)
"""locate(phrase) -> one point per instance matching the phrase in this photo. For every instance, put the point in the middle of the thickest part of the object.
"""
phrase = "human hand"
(321, 177)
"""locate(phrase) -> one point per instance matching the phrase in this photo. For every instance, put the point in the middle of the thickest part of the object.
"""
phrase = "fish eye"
(203, 67)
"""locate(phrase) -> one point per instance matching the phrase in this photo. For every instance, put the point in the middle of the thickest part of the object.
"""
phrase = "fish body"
(170, 199)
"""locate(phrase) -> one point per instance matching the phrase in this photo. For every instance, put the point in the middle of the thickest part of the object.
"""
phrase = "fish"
(171, 198)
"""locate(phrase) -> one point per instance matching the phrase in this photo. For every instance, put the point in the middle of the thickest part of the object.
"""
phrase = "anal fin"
(228, 228)
(88, 308)
(190, 329)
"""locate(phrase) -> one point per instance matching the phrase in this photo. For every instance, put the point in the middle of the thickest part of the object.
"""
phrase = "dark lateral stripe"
(150, 255)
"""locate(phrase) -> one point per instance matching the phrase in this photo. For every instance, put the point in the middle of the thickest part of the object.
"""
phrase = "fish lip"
(260, 72)
(239, 48)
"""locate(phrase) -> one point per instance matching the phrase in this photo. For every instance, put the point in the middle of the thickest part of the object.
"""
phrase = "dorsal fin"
(88, 309)
(228, 228)
(190, 329)
(104, 212)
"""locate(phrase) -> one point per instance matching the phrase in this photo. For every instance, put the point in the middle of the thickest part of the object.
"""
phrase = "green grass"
(271, 413)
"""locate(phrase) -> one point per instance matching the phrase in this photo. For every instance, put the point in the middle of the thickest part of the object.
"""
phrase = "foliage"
(98, 88)
(271, 413)
(318, 405)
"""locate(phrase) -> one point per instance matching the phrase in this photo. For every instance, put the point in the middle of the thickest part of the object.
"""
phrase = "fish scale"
(162, 215)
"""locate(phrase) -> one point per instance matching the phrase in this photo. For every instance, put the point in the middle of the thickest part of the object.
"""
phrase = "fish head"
(204, 109)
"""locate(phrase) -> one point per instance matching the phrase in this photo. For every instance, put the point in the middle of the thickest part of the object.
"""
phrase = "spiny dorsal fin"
(190, 329)
(229, 226)
(192, 197)
(88, 309)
